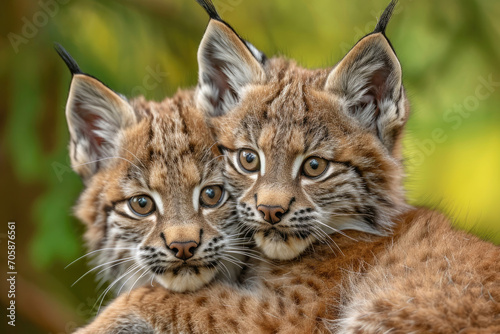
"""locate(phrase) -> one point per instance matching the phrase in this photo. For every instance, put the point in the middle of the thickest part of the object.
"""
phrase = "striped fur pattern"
(125, 149)
(426, 278)
(420, 279)
(432, 279)
(351, 115)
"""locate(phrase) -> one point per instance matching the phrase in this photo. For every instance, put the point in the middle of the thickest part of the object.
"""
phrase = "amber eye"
(249, 160)
(314, 167)
(211, 196)
(141, 205)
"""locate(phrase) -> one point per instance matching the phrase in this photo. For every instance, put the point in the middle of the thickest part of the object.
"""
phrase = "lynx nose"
(183, 250)
(271, 214)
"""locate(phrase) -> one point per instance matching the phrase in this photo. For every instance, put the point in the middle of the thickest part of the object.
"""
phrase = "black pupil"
(142, 201)
(314, 164)
(250, 157)
(210, 193)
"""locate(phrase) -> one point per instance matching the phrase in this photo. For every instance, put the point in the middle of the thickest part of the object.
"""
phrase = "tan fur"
(427, 278)
(403, 270)
(289, 116)
(434, 279)
(166, 153)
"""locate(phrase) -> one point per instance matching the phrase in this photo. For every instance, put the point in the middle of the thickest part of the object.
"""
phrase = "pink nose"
(183, 250)
(271, 214)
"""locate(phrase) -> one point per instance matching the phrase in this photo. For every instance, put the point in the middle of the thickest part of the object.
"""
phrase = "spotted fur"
(390, 267)
(351, 115)
(163, 150)
(426, 278)
(433, 279)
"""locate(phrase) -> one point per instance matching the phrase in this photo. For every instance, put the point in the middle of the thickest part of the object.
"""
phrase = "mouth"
(283, 233)
(283, 245)
(185, 277)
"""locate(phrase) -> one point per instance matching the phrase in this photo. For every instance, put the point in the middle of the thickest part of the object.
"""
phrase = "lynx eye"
(141, 205)
(211, 196)
(314, 167)
(249, 160)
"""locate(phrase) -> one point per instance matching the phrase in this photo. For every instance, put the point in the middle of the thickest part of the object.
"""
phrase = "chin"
(276, 248)
(186, 279)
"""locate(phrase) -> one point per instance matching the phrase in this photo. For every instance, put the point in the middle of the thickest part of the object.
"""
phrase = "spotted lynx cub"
(154, 203)
(310, 153)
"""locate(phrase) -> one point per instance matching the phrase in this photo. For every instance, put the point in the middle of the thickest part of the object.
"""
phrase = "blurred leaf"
(21, 126)
(55, 238)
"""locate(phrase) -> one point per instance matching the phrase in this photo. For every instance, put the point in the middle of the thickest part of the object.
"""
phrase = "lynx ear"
(95, 114)
(227, 64)
(369, 81)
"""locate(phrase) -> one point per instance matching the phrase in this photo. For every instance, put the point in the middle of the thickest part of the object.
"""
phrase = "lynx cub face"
(154, 202)
(309, 152)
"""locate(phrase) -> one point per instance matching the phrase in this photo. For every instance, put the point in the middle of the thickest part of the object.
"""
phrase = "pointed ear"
(226, 65)
(95, 114)
(369, 81)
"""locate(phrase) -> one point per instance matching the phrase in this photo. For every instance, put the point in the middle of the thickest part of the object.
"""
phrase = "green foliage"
(150, 48)
(447, 50)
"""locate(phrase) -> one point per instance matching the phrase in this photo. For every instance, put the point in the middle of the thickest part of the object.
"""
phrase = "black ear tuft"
(70, 62)
(212, 12)
(210, 9)
(385, 18)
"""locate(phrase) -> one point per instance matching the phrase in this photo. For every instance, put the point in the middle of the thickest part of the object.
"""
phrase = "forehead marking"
(296, 165)
(158, 201)
(196, 196)
(262, 162)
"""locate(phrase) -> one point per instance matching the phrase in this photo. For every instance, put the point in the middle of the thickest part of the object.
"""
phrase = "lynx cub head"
(154, 202)
(309, 152)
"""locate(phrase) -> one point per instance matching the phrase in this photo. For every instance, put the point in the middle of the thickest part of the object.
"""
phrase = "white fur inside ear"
(260, 56)
(226, 66)
(368, 82)
(95, 114)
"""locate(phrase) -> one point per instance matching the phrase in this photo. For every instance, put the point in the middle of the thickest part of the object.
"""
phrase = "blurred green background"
(449, 51)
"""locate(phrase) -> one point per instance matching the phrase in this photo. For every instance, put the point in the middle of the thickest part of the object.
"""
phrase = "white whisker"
(91, 162)
(128, 279)
(152, 277)
(135, 156)
(116, 264)
(98, 250)
(103, 264)
(144, 273)
(131, 269)
(334, 229)
(225, 271)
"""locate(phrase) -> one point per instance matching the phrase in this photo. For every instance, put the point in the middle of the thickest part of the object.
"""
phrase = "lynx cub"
(154, 203)
(310, 153)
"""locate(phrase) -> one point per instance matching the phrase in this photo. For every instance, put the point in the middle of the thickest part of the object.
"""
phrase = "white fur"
(158, 201)
(196, 198)
(297, 164)
(281, 250)
(186, 281)
(262, 159)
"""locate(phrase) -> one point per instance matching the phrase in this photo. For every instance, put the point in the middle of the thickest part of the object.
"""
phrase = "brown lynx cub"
(310, 153)
(154, 202)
